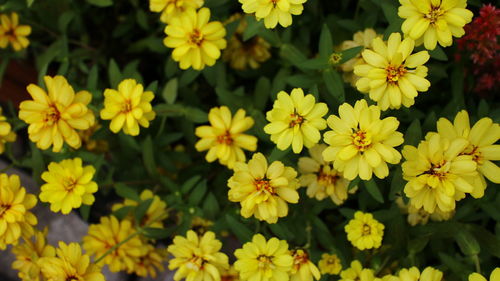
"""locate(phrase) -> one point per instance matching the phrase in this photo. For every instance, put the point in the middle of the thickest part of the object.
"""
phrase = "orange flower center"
(477, 156)
(362, 140)
(367, 230)
(4, 209)
(394, 73)
(296, 120)
(127, 106)
(300, 257)
(196, 37)
(72, 278)
(327, 178)
(434, 14)
(439, 170)
(11, 34)
(69, 184)
(52, 115)
(196, 263)
(264, 261)
(264, 185)
(225, 139)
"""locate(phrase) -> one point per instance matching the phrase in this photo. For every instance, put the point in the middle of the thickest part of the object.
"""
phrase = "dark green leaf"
(92, 79)
(397, 183)
(169, 93)
(241, 231)
(372, 188)
(197, 193)
(253, 27)
(350, 53)
(413, 134)
(438, 54)
(148, 156)
(261, 94)
(211, 206)
(325, 42)
(101, 3)
(158, 233)
(467, 243)
(123, 212)
(196, 115)
(190, 183)
(281, 231)
(334, 84)
(126, 191)
(141, 210)
(114, 74)
(85, 212)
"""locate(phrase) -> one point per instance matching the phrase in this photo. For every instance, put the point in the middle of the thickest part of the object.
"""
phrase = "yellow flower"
(321, 179)
(330, 264)
(303, 268)
(361, 143)
(361, 38)
(91, 144)
(482, 138)
(495, 276)
(53, 117)
(109, 233)
(170, 9)
(15, 217)
(6, 133)
(229, 274)
(151, 262)
(393, 75)
(364, 231)
(70, 264)
(263, 190)
(357, 273)
(273, 11)
(261, 260)
(224, 138)
(296, 120)
(14, 33)
(156, 212)
(69, 185)
(28, 253)
(241, 54)
(436, 173)
(197, 258)
(420, 216)
(196, 41)
(432, 21)
(128, 107)
(413, 274)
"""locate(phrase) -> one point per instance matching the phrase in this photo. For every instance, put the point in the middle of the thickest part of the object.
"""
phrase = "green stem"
(308, 235)
(475, 258)
(139, 231)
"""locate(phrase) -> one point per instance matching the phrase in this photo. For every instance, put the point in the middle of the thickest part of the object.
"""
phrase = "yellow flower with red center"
(128, 107)
(364, 232)
(69, 185)
(11, 32)
(303, 268)
(55, 115)
(357, 272)
(264, 260)
(433, 21)
(155, 214)
(108, 234)
(197, 257)
(263, 190)
(15, 217)
(437, 174)
(295, 120)
(196, 41)
(6, 133)
(392, 75)
(273, 11)
(330, 264)
(225, 138)
(70, 264)
(321, 179)
(361, 143)
(29, 252)
(482, 138)
(495, 276)
(171, 9)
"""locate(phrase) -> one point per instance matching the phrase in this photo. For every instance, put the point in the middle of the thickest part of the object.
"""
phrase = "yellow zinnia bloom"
(296, 120)
(28, 253)
(224, 138)
(361, 38)
(393, 75)
(151, 262)
(273, 11)
(357, 273)
(436, 173)
(263, 190)
(6, 133)
(229, 274)
(107, 234)
(413, 274)
(156, 212)
(421, 216)
(321, 179)
(495, 276)
(364, 231)
(128, 107)
(433, 21)
(261, 260)
(69, 185)
(361, 143)
(170, 9)
(482, 138)
(196, 41)
(15, 217)
(55, 116)
(303, 268)
(14, 33)
(197, 258)
(70, 264)
(330, 264)
(241, 54)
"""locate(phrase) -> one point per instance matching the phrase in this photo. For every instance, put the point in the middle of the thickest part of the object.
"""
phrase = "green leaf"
(372, 188)
(282, 231)
(188, 76)
(350, 53)
(169, 93)
(92, 78)
(141, 210)
(315, 64)
(114, 74)
(37, 164)
(123, 212)
(390, 11)
(43, 61)
(278, 154)
(198, 193)
(438, 54)
(158, 233)
(211, 206)
(417, 245)
(354, 183)
(413, 134)
(241, 231)
(127, 192)
(253, 27)
(29, 3)
(467, 243)
(397, 183)
(292, 54)
(334, 84)
(64, 20)
(261, 93)
(323, 234)
(85, 212)
(190, 183)
(325, 42)
(148, 156)
(196, 115)
(101, 3)
(453, 264)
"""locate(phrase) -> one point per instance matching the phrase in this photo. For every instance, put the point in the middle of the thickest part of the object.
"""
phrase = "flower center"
(394, 73)
(195, 263)
(275, 2)
(225, 139)
(300, 257)
(367, 230)
(52, 115)
(439, 170)
(477, 156)
(296, 120)
(72, 278)
(69, 183)
(264, 185)
(127, 106)
(327, 176)
(196, 37)
(11, 34)
(362, 140)
(4, 209)
(434, 14)
(331, 261)
(265, 262)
